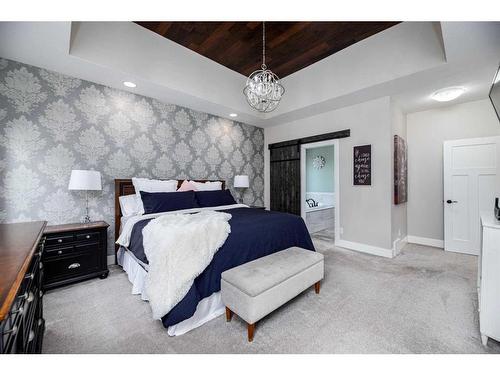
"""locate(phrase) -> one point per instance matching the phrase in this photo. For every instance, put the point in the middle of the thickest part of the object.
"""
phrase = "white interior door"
(470, 169)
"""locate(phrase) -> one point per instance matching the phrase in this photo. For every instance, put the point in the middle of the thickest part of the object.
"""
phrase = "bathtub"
(319, 208)
(322, 216)
(324, 200)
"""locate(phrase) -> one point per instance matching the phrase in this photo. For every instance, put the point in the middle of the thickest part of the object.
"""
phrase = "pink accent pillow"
(187, 186)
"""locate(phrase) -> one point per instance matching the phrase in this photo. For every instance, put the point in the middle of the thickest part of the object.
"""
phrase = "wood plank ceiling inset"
(290, 46)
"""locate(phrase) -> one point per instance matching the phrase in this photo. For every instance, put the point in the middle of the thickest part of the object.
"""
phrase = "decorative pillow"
(207, 186)
(151, 186)
(164, 202)
(187, 186)
(128, 205)
(214, 198)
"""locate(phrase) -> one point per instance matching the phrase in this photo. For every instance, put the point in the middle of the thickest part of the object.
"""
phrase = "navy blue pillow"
(163, 202)
(214, 198)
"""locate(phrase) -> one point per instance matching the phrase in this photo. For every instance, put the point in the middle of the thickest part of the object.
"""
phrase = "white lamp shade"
(85, 180)
(241, 181)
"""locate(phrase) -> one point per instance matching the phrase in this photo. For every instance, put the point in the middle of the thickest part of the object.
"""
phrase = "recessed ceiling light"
(233, 115)
(129, 84)
(447, 94)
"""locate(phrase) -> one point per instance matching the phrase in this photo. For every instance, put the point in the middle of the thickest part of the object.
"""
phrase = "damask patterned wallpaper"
(51, 124)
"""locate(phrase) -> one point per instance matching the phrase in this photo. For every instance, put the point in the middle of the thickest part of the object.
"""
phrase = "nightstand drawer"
(58, 251)
(94, 236)
(59, 239)
(69, 266)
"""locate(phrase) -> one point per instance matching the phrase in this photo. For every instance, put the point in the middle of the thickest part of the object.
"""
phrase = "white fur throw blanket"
(179, 247)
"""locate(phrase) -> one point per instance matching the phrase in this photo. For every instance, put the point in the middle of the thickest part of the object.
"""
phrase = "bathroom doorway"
(320, 188)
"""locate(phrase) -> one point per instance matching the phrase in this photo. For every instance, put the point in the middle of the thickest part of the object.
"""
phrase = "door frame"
(447, 184)
(336, 175)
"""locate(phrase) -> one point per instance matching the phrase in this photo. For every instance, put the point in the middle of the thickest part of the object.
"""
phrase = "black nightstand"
(75, 252)
(258, 207)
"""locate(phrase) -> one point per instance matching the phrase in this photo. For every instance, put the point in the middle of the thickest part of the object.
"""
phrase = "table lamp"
(241, 182)
(85, 180)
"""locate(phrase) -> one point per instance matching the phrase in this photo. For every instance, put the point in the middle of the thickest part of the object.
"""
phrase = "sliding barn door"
(285, 179)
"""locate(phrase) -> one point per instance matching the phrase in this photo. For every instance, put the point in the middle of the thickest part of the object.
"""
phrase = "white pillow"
(129, 205)
(207, 186)
(151, 186)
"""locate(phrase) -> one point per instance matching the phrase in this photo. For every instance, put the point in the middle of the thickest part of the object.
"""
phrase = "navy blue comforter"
(254, 233)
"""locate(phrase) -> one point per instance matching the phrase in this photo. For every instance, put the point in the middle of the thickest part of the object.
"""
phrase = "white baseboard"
(111, 259)
(426, 241)
(374, 250)
(398, 245)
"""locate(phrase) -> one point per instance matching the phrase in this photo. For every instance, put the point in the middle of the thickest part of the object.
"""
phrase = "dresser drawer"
(59, 239)
(71, 266)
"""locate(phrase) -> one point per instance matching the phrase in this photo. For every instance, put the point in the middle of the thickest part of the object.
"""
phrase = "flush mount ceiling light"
(263, 89)
(233, 115)
(129, 84)
(447, 94)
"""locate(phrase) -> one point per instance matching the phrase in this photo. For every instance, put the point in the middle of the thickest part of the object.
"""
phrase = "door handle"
(449, 201)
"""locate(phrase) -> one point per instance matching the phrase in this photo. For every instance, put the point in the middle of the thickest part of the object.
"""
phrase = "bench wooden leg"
(251, 329)
(317, 286)
(229, 315)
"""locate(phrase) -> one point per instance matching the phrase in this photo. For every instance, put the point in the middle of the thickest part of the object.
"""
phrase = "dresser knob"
(29, 276)
(31, 297)
(59, 252)
(59, 240)
(40, 294)
(87, 236)
(40, 321)
(73, 265)
(31, 336)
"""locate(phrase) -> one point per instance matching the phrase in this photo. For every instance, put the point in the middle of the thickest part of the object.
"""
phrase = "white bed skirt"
(208, 308)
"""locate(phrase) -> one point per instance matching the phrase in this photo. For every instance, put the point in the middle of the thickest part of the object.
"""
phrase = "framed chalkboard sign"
(362, 165)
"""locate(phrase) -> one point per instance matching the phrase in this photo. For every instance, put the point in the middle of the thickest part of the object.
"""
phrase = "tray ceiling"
(290, 46)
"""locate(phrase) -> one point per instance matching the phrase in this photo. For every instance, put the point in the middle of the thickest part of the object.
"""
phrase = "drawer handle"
(87, 236)
(73, 265)
(59, 252)
(40, 294)
(59, 240)
(31, 336)
(13, 330)
(23, 296)
(18, 311)
(30, 276)
(40, 321)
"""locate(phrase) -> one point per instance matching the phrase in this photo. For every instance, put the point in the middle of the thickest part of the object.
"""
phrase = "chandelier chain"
(264, 45)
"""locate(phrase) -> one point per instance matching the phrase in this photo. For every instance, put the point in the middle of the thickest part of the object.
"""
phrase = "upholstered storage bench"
(257, 288)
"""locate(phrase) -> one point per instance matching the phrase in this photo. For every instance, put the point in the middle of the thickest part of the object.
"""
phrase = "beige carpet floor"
(423, 301)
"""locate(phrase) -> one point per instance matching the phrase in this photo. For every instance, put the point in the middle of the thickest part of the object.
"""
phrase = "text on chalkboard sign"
(362, 165)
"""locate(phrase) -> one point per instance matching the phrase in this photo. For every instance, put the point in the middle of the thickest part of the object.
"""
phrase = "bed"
(254, 233)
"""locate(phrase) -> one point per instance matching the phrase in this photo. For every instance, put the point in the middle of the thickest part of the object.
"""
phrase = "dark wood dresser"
(21, 276)
(75, 252)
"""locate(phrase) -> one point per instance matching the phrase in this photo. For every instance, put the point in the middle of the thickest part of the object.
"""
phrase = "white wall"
(426, 132)
(398, 212)
(365, 211)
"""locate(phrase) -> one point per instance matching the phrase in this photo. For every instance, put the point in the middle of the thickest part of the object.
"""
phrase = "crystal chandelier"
(263, 89)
